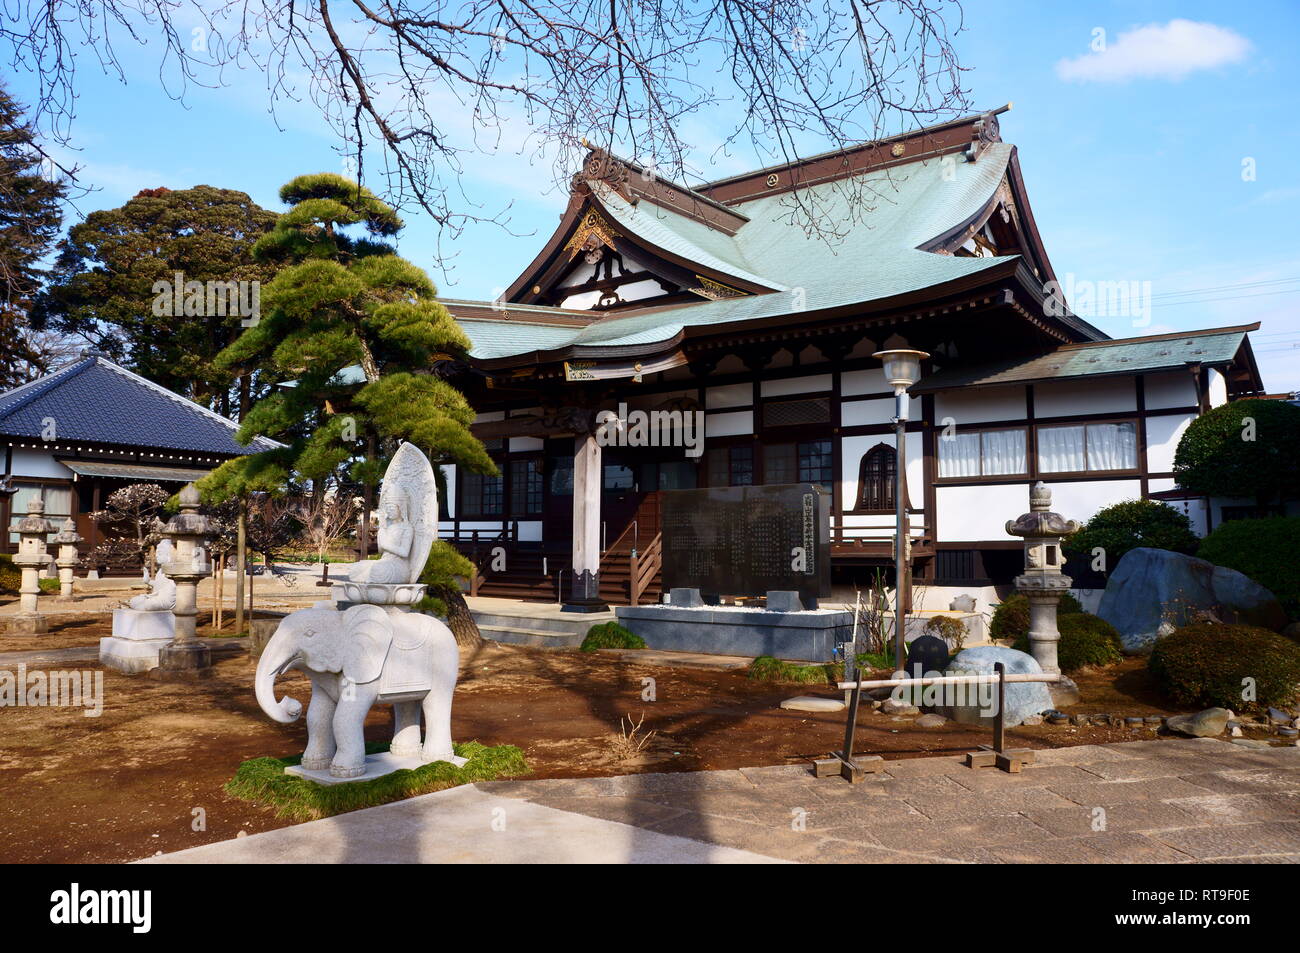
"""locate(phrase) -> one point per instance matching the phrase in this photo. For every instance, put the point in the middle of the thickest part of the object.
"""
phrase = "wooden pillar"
(585, 592)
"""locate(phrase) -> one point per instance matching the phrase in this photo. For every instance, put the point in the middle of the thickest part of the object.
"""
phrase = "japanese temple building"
(653, 296)
(91, 427)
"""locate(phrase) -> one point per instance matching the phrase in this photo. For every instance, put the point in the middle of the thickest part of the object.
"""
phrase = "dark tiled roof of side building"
(97, 401)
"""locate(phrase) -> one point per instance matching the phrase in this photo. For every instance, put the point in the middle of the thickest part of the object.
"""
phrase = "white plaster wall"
(1173, 389)
(1102, 395)
(1163, 434)
(740, 422)
(869, 381)
(489, 415)
(1218, 388)
(449, 473)
(1196, 510)
(1079, 501)
(39, 463)
(855, 413)
(974, 513)
(521, 444)
(980, 405)
(729, 395)
(812, 384)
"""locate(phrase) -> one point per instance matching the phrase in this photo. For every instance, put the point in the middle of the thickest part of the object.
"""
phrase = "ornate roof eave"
(1007, 285)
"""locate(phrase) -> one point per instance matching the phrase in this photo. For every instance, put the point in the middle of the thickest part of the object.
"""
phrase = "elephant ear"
(367, 633)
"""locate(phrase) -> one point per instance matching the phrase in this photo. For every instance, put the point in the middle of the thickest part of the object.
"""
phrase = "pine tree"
(30, 217)
(115, 275)
(352, 332)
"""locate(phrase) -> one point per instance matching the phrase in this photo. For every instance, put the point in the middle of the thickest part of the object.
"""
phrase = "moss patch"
(263, 781)
(611, 635)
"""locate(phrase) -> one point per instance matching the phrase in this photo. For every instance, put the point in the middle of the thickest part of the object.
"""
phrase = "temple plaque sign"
(747, 540)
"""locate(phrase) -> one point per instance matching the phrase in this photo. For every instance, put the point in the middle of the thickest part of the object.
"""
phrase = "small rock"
(1079, 720)
(1250, 743)
(930, 721)
(1134, 721)
(1032, 720)
(1286, 731)
(1057, 718)
(813, 703)
(1235, 731)
(1204, 724)
(1279, 717)
(1154, 721)
(891, 706)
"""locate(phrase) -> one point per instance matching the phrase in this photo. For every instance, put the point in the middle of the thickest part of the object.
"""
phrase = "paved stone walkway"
(1146, 801)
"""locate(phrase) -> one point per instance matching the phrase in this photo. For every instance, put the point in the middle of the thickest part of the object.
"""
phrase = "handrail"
(644, 567)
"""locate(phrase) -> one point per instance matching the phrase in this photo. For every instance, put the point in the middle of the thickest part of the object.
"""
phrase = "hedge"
(1085, 640)
(1011, 617)
(1265, 550)
(1211, 665)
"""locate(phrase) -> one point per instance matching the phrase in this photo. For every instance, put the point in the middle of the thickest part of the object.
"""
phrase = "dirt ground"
(144, 775)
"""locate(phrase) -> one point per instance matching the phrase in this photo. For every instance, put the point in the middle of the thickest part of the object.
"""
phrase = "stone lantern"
(32, 530)
(67, 539)
(1043, 583)
(187, 530)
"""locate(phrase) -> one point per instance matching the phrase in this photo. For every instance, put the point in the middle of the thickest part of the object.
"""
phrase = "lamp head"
(902, 367)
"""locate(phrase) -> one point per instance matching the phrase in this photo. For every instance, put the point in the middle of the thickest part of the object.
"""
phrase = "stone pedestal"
(139, 635)
(186, 656)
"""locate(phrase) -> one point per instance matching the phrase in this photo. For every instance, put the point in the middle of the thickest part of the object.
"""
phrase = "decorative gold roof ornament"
(716, 290)
(591, 232)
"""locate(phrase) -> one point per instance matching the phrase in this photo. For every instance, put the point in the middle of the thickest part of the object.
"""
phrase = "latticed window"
(526, 487)
(792, 413)
(806, 462)
(481, 495)
(876, 479)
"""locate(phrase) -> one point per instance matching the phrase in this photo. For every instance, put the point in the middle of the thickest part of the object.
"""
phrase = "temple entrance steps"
(542, 625)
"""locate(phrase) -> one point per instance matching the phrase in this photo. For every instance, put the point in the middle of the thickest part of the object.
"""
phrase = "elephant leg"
(437, 704)
(406, 729)
(349, 734)
(320, 727)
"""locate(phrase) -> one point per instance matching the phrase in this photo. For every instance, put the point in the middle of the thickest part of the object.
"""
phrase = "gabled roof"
(97, 401)
(1157, 352)
(900, 204)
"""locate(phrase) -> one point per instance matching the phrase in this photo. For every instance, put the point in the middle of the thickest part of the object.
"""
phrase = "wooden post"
(241, 562)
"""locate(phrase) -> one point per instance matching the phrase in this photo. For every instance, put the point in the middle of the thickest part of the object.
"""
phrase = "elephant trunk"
(276, 657)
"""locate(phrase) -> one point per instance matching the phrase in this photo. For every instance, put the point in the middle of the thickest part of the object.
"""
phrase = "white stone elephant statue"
(355, 658)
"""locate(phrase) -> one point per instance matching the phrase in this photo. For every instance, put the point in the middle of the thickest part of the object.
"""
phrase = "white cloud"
(1170, 51)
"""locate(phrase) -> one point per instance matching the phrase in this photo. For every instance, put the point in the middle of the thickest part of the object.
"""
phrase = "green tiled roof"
(1128, 356)
(884, 219)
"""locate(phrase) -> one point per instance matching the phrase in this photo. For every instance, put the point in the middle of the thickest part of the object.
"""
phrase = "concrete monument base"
(809, 636)
(138, 636)
(188, 660)
(377, 765)
(26, 624)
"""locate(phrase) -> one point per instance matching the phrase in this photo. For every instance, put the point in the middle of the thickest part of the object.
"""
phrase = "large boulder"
(1151, 586)
(1024, 699)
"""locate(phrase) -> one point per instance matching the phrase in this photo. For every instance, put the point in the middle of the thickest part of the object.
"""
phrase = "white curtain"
(1060, 450)
(1004, 452)
(959, 455)
(1112, 446)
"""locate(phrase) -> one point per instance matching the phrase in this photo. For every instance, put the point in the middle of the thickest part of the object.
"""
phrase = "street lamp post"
(902, 370)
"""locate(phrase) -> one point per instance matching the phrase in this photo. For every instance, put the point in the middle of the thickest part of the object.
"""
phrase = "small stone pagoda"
(33, 530)
(1043, 582)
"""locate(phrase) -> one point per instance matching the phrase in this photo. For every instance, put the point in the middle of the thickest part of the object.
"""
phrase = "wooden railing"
(645, 566)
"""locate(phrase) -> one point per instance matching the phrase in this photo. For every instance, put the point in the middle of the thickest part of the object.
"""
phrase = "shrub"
(611, 635)
(1205, 664)
(1264, 550)
(48, 585)
(948, 628)
(767, 668)
(1085, 640)
(11, 577)
(1011, 617)
(1118, 528)
(1214, 458)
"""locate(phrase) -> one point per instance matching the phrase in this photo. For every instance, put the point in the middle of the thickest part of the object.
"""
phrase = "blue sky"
(1133, 156)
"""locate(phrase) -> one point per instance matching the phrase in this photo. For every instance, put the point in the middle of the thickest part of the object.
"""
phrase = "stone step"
(570, 622)
(537, 638)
